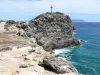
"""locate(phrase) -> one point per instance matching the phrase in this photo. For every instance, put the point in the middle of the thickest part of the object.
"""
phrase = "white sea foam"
(58, 51)
(80, 40)
(74, 33)
(85, 41)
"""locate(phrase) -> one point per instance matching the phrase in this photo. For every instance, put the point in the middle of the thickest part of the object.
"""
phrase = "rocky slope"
(23, 45)
(23, 56)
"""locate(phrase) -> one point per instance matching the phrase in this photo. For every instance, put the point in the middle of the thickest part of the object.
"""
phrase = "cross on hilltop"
(51, 8)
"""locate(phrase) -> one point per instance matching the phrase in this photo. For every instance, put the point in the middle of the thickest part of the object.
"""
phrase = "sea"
(86, 57)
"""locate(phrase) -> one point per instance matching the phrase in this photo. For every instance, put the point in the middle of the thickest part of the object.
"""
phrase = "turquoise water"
(86, 57)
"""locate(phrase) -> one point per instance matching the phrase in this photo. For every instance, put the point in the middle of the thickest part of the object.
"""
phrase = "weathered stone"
(23, 66)
(59, 64)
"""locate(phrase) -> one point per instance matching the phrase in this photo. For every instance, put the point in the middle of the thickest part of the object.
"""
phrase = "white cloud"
(27, 9)
(73, 6)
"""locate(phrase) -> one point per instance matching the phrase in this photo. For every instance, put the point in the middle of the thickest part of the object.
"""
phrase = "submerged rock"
(59, 64)
(52, 31)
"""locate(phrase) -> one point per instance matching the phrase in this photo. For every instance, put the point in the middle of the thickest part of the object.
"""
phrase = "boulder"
(59, 64)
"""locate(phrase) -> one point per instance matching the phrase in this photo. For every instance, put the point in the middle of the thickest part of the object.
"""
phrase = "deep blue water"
(86, 57)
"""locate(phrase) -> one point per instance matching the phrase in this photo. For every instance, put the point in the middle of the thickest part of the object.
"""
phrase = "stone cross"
(51, 9)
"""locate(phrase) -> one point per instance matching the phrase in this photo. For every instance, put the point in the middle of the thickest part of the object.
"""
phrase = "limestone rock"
(59, 64)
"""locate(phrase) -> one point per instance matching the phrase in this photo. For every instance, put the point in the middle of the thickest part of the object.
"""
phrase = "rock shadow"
(48, 68)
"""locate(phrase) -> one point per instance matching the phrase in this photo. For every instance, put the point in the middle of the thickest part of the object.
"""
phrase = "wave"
(61, 51)
(81, 40)
(74, 33)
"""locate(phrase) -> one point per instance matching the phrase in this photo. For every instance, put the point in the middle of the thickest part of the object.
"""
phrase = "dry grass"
(10, 38)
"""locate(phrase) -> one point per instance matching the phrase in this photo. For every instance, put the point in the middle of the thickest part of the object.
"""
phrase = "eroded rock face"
(52, 31)
(59, 64)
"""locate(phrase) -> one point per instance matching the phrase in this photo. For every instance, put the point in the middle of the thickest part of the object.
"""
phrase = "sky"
(88, 10)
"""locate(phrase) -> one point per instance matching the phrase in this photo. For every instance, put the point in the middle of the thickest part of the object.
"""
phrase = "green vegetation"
(10, 22)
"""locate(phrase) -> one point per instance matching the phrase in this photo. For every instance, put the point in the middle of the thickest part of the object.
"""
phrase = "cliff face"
(52, 31)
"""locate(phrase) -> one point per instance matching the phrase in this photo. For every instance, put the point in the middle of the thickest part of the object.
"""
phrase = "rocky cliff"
(24, 45)
(18, 57)
(52, 31)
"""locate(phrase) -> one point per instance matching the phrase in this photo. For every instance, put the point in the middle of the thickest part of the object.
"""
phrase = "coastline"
(31, 49)
(22, 57)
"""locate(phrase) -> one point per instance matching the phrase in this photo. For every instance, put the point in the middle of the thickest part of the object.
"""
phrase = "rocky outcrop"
(52, 31)
(22, 55)
(59, 64)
